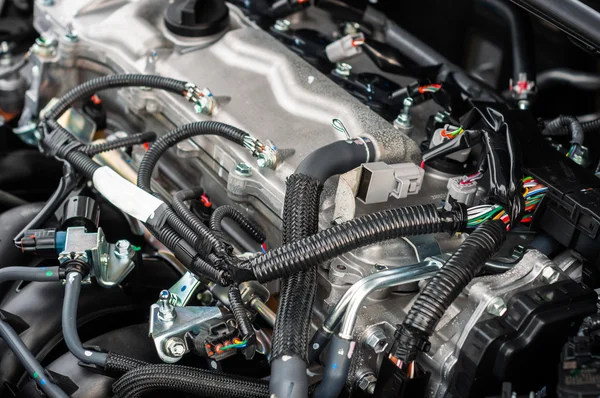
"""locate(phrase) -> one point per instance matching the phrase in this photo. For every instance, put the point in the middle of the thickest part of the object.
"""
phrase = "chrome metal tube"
(404, 275)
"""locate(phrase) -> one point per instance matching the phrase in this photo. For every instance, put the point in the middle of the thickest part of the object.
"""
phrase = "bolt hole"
(341, 267)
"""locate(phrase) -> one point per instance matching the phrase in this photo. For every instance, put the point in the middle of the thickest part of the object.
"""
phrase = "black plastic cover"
(196, 18)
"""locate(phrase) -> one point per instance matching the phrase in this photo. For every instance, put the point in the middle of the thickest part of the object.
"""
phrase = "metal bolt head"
(496, 307)
(175, 347)
(166, 310)
(44, 47)
(367, 383)
(243, 169)
(441, 117)
(378, 268)
(282, 25)
(351, 28)
(123, 249)
(408, 102)
(376, 339)
(550, 275)
(343, 69)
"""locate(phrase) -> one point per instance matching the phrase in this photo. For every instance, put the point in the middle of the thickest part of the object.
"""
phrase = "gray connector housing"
(462, 193)
(437, 139)
(343, 48)
(379, 181)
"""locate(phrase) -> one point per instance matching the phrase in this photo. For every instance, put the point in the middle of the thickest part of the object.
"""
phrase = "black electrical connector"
(44, 243)
(393, 382)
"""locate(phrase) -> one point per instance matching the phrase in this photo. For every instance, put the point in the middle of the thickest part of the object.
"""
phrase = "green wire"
(237, 345)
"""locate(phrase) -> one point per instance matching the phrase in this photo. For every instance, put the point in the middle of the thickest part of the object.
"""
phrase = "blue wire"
(536, 192)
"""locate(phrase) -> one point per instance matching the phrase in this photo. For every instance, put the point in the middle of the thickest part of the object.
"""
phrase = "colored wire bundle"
(534, 192)
(237, 344)
(452, 134)
(430, 88)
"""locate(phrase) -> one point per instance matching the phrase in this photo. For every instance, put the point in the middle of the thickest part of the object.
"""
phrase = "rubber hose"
(69, 323)
(92, 86)
(521, 36)
(33, 367)
(65, 186)
(9, 200)
(234, 214)
(372, 228)
(297, 295)
(179, 134)
(188, 380)
(572, 126)
(578, 79)
(445, 286)
(243, 321)
(208, 239)
(125, 142)
(591, 126)
(336, 158)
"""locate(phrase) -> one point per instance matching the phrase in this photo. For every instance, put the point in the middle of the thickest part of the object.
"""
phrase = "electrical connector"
(439, 138)
(344, 48)
(44, 243)
(393, 382)
(202, 99)
(461, 190)
(379, 181)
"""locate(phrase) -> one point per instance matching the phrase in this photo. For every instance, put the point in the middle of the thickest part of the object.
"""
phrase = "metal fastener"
(378, 268)
(550, 274)
(48, 3)
(71, 35)
(442, 117)
(175, 346)
(367, 383)
(496, 306)
(44, 47)
(351, 28)
(343, 69)
(166, 310)
(282, 25)
(243, 169)
(404, 119)
(123, 249)
(376, 339)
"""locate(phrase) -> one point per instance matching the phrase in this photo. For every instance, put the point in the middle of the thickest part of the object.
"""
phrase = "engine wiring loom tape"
(126, 196)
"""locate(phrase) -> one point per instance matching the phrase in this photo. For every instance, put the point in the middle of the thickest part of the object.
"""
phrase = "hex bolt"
(441, 117)
(404, 120)
(376, 339)
(496, 306)
(550, 274)
(71, 35)
(166, 310)
(367, 383)
(282, 25)
(123, 249)
(343, 69)
(175, 347)
(243, 169)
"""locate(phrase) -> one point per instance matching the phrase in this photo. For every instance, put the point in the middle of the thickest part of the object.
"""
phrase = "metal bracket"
(187, 319)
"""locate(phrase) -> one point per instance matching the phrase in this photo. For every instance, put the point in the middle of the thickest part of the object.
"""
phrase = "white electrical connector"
(438, 139)
(344, 48)
(462, 190)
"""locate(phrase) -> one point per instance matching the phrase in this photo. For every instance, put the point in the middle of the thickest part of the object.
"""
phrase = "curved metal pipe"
(408, 274)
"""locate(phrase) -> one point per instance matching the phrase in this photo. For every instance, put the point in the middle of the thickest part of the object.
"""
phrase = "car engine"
(299, 198)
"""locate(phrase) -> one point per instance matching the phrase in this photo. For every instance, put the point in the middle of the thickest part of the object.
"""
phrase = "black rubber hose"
(335, 375)
(9, 200)
(179, 134)
(28, 360)
(591, 126)
(292, 325)
(11, 338)
(234, 214)
(65, 186)
(563, 124)
(125, 142)
(521, 36)
(581, 80)
(69, 323)
(445, 286)
(208, 239)
(243, 321)
(325, 245)
(336, 158)
(188, 380)
(91, 87)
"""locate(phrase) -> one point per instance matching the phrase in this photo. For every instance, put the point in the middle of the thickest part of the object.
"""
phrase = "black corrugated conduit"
(240, 219)
(444, 287)
(125, 142)
(182, 133)
(372, 228)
